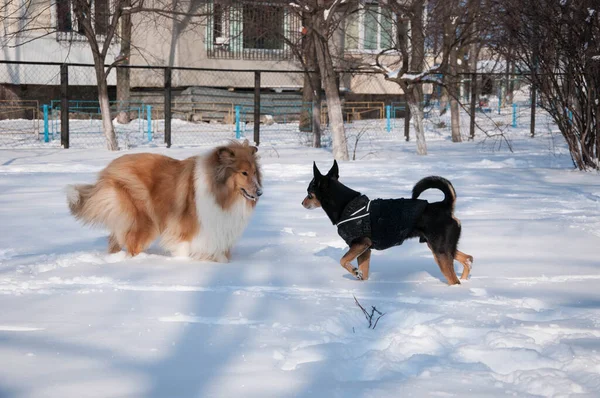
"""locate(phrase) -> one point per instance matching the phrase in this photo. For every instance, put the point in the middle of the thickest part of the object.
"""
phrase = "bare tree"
(304, 51)
(312, 88)
(124, 74)
(451, 14)
(101, 22)
(98, 21)
(464, 33)
(323, 18)
(403, 62)
(310, 117)
(429, 46)
(87, 17)
(557, 44)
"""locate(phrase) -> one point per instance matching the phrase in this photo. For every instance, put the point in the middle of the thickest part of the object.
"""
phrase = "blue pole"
(514, 123)
(499, 99)
(570, 116)
(238, 133)
(388, 117)
(149, 118)
(46, 132)
(53, 125)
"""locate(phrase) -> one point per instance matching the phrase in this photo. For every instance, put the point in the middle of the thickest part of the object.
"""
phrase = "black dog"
(382, 223)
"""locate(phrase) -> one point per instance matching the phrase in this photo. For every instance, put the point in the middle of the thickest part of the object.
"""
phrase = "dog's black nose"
(259, 192)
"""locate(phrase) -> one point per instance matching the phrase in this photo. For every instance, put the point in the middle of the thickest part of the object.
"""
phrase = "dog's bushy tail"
(438, 183)
(94, 204)
(77, 196)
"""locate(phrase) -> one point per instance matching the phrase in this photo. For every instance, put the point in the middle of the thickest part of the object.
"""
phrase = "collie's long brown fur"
(140, 197)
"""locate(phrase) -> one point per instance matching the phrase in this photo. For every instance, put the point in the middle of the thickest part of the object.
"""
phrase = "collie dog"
(199, 206)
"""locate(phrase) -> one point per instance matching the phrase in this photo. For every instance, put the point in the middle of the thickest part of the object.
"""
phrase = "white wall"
(48, 49)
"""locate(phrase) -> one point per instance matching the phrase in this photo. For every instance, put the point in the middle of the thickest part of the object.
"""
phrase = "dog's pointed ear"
(226, 155)
(316, 171)
(334, 172)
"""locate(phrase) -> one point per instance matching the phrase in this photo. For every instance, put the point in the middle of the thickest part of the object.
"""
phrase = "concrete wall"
(34, 46)
(156, 45)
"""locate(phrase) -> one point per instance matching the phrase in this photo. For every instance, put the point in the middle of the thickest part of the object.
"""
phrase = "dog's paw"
(468, 265)
(358, 274)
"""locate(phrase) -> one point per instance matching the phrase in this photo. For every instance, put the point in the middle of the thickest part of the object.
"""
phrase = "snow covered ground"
(280, 319)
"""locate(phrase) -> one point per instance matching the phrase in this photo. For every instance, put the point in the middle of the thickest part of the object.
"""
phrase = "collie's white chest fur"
(219, 228)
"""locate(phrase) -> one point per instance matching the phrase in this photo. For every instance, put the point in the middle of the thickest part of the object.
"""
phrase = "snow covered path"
(280, 319)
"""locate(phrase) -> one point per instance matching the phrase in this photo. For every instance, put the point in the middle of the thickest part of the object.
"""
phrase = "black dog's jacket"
(387, 222)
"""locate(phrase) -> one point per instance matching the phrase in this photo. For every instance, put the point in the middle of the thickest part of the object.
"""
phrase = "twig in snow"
(369, 317)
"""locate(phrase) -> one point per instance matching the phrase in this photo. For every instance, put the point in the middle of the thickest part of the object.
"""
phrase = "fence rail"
(204, 106)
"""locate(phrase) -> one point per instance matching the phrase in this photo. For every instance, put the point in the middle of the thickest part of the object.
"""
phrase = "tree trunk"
(174, 36)
(82, 11)
(334, 106)
(316, 117)
(451, 79)
(415, 95)
(316, 99)
(455, 120)
(123, 74)
(308, 54)
(107, 126)
(413, 98)
(454, 108)
(444, 101)
(307, 98)
(507, 84)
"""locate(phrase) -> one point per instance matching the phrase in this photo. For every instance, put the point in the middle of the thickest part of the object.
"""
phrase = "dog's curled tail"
(93, 204)
(438, 183)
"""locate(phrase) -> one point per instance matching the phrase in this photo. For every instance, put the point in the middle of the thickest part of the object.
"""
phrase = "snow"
(296, 5)
(392, 74)
(280, 320)
(491, 66)
(413, 76)
(327, 11)
(423, 76)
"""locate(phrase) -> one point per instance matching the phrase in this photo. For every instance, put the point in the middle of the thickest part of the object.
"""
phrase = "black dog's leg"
(357, 249)
(446, 263)
(364, 260)
(467, 261)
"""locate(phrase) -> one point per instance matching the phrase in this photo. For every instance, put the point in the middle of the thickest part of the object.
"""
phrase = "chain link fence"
(189, 107)
(23, 91)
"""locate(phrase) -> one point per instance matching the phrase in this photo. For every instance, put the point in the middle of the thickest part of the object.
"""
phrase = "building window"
(69, 28)
(247, 30)
(372, 28)
(263, 27)
(218, 24)
(64, 16)
(101, 15)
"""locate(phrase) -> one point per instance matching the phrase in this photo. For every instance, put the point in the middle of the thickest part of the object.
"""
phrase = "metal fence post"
(533, 105)
(149, 119)
(514, 119)
(168, 114)
(406, 122)
(64, 106)
(473, 106)
(388, 117)
(238, 132)
(257, 108)
(499, 99)
(46, 129)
